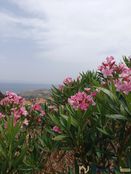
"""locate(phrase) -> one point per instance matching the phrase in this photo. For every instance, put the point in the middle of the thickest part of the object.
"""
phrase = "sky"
(44, 41)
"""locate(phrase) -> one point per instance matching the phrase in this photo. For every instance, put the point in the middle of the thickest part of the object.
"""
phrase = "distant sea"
(21, 87)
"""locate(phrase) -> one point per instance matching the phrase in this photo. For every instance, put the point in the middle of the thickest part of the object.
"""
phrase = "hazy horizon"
(22, 82)
(22, 87)
(46, 41)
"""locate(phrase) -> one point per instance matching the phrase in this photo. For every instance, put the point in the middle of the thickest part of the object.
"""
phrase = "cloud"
(20, 27)
(74, 33)
(80, 28)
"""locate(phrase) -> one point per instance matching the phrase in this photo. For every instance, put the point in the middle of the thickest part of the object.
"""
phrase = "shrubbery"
(89, 117)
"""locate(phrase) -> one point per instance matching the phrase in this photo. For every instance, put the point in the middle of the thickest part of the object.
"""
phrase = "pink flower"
(56, 129)
(42, 113)
(121, 67)
(121, 74)
(68, 81)
(123, 82)
(39, 120)
(126, 73)
(93, 94)
(12, 99)
(61, 87)
(16, 114)
(26, 122)
(110, 60)
(36, 107)
(81, 101)
(22, 111)
(11, 94)
(107, 72)
(123, 86)
(108, 67)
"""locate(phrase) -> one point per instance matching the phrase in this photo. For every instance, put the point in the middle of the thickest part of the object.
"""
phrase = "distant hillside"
(40, 93)
(21, 87)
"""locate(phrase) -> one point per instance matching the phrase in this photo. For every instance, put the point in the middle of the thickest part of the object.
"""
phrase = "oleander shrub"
(92, 115)
(86, 121)
(20, 128)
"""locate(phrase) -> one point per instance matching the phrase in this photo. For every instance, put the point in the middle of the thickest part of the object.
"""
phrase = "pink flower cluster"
(121, 68)
(16, 106)
(120, 74)
(123, 83)
(18, 113)
(108, 67)
(37, 107)
(11, 98)
(81, 100)
(56, 129)
(68, 80)
(36, 113)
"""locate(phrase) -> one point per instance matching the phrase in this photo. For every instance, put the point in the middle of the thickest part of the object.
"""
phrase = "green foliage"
(12, 147)
(127, 61)
(85, 80)
(98, 136)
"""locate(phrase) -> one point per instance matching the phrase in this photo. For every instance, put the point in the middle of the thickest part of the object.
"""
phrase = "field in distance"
(39, 93)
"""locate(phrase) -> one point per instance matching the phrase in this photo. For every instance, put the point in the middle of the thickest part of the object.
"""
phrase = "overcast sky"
(43, 41)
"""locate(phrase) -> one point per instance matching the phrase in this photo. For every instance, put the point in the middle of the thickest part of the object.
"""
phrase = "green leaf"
(116, 116)
(109, 93)
(71, 119)
(59, 137)
(69, 122)
(20, 157)
(55, 119)
(103, 131)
